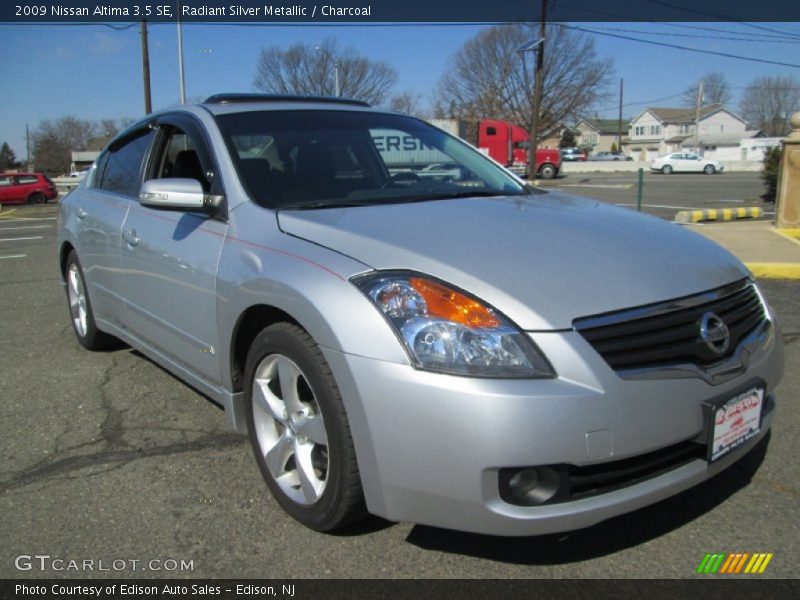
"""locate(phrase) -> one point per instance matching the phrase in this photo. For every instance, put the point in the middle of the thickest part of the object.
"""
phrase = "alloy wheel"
(77, 300)
(290, 429)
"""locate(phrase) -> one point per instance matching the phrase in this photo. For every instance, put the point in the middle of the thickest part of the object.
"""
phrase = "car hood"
(543, 260)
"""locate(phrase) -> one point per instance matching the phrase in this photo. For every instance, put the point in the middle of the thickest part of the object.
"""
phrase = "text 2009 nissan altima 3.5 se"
(449, 347)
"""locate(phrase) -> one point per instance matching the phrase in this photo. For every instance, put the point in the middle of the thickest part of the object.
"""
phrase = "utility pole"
(697, 118)
(145, 67)
(330, 56)
(619, 121)
(336, 75)
(28, 147)
(181, 80)
(537, 95)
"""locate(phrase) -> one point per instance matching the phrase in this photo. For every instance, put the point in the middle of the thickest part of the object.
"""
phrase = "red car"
(33, 188)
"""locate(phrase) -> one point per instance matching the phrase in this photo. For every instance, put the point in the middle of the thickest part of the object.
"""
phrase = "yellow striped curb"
(764, 270)
(718, 214)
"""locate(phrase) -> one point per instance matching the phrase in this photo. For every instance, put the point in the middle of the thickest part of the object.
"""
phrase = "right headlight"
(449, 331)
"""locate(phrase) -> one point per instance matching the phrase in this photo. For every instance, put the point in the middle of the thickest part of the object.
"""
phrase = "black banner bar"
(322, 12)
(717, 588)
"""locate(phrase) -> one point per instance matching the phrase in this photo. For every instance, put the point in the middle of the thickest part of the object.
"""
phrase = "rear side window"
(123, 167)
(25, 179)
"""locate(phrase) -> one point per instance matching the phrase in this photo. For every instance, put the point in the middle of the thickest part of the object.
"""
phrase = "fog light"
(530, 486)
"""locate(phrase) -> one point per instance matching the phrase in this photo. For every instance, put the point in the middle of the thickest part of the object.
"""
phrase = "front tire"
(547, 171)
(80, 308)
(709, 170)
(299, 431)
(666, 170)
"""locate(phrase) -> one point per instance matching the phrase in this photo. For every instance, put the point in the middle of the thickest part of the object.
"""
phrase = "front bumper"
(430, 447)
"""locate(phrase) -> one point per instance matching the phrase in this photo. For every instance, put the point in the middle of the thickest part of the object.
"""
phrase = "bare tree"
(716, 89)
(768, 103)
(54, 141)
(305, 69)
(407, 102)
(489, 77)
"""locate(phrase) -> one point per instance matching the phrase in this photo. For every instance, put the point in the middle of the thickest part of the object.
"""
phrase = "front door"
(170, 258)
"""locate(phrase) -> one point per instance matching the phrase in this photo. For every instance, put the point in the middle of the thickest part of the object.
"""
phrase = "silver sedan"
(468, 352)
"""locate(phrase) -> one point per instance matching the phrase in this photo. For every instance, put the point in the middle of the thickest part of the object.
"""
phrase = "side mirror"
(173, 194)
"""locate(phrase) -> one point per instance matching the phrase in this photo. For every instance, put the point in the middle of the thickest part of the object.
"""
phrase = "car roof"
(220, 104)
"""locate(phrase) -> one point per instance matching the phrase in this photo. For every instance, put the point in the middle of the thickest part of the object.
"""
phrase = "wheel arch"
(63, 254)
(250, 323)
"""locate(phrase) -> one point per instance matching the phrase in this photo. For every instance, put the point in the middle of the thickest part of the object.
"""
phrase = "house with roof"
(658, 131)
(597, 135)
(552, 137)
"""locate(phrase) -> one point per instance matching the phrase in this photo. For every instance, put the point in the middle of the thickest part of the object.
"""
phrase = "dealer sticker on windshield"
(735, 422)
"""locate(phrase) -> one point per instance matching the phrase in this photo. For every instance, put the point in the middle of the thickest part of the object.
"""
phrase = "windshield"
(324, 158)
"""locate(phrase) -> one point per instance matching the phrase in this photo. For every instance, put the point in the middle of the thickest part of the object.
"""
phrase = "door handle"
(130, 237)
(80, 212)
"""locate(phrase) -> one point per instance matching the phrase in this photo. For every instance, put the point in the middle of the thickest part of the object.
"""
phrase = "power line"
(677, 47)
(690, 35)
(781, 34)
(714, 15)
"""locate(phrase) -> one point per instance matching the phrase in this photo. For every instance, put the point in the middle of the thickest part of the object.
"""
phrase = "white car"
(686, 162)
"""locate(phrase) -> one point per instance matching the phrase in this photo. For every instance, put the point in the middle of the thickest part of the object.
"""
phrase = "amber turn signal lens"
(453, 306)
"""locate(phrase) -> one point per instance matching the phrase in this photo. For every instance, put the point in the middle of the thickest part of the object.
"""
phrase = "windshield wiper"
(316, 205)
(466, 194)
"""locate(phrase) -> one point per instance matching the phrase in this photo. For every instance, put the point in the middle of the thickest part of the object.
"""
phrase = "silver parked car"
(468, 352)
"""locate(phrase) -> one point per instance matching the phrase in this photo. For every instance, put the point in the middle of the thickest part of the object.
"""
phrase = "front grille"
(668, 333)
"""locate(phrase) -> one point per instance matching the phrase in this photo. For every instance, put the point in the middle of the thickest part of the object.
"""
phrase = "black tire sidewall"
(295, 344)
(709, 169)
(93, 339)
(667, 170)
(547, 172)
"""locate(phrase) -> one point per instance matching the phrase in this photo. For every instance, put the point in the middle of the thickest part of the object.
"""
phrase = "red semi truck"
(508, 144)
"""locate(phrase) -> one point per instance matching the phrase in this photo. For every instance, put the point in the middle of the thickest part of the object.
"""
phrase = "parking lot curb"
(718, 214)
(793, 235)
(763, 270)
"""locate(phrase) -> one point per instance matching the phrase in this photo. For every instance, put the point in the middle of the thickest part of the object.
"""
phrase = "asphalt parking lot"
(664, 195)
(107, 456)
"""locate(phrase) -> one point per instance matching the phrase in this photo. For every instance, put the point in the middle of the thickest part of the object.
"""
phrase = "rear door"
(25, 186)
(170, 257)
(100, 209)
(693, 163)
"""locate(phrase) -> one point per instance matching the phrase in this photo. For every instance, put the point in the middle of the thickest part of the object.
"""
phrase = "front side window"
(179, 159)
(5, 181)
(296, 159)
(123, 166)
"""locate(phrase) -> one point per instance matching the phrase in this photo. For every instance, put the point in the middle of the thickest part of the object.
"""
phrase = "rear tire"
(80, 309)
(666, 170)
(299, 431)
(37, 198)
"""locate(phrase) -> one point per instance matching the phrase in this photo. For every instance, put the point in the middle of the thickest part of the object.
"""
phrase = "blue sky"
(95, 72)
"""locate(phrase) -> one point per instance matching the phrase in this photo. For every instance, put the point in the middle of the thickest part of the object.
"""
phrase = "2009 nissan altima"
(442, 345)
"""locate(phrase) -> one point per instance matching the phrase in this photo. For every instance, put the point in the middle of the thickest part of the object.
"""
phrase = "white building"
(658, 131)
